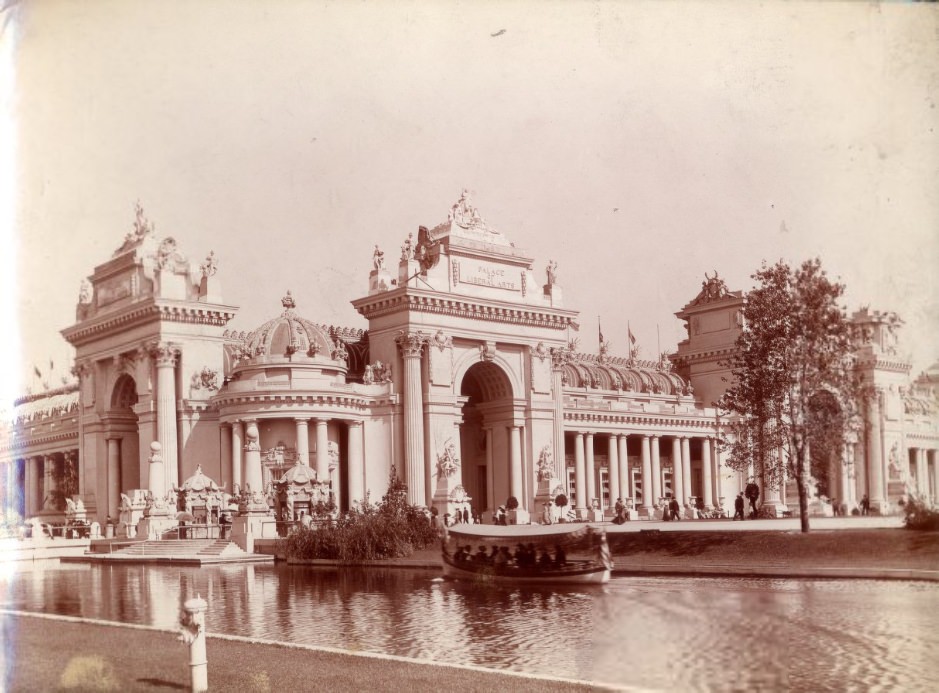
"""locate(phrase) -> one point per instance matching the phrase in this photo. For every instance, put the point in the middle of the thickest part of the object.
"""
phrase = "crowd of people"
(525, 556)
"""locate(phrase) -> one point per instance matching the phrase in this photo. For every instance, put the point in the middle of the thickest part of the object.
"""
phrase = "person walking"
(865, 505)
(738, 506)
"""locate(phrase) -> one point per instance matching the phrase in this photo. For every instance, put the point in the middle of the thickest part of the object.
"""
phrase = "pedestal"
(248, 526)
(773, 508)
(380, 281)
(595, 515)
(153, 526)
(518, 517)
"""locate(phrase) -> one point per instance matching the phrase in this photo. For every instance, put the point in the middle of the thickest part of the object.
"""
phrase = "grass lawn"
(57, 655)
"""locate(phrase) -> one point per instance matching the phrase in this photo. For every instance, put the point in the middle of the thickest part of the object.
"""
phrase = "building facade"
(465, 384)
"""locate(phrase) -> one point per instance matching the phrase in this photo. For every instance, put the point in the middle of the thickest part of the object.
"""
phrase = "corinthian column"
(412, 345)
(166, 356)
(580, 474)
(647, 490)
(875, 461)
(707, 497)
(656, 470)
(303, 442)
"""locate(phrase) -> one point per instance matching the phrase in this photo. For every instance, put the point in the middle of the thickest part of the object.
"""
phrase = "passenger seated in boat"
(544, 560)
(501, 558)
(459, 555)
(560, 558)
(481, 556)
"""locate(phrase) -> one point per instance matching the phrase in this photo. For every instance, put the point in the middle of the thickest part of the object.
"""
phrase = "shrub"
(560, 500)
(511, 503)
(919, 514)
(390, 529)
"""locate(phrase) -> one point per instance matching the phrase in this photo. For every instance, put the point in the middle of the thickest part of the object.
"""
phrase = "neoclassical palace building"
(465, 383)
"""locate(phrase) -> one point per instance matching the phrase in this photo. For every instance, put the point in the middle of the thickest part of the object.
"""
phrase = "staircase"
(186, 550)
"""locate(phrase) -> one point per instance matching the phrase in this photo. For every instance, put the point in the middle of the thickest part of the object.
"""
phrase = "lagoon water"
(652, 632)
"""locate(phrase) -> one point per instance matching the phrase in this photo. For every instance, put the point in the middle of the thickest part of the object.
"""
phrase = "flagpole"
(658, 341)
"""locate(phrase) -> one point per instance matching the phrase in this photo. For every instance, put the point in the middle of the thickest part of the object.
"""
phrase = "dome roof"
(199, 482)
(287, 335)
(589, 371)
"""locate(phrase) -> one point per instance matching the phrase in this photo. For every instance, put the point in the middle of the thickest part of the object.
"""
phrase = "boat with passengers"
(569, 553)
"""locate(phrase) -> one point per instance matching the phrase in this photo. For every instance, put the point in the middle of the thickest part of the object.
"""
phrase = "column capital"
(302, 419)
(411, 344)
(165, 354)
(354, 423)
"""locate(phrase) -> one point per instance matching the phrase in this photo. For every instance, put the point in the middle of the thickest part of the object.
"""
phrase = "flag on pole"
(632, 337)
(599, 330)
(36, 371)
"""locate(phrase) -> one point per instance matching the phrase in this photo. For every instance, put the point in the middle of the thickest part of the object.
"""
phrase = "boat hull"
(578, 575)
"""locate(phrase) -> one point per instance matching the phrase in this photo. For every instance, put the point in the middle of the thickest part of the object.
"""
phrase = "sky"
(639, 145)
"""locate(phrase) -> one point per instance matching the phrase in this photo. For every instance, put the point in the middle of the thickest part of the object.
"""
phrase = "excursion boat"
(563, 553)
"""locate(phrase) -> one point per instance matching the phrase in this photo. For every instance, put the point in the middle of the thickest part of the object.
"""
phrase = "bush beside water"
(389, 529)
(918, 514)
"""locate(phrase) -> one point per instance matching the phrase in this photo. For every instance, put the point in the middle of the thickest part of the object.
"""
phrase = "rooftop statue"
(463, 213)
(142, 228)
(712, 289)
(552, 270)
(210, 266)
(378, 259)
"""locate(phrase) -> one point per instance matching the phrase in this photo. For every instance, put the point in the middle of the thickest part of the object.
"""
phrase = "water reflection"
(665, 633)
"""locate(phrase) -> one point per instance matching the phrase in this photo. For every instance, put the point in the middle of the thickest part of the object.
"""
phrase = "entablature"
(409, 299)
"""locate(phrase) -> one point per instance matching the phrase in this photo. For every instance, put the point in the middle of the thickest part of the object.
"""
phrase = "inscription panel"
(487, 274)
(113, 289)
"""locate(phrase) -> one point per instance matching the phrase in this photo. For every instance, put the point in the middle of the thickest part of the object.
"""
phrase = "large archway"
(487, 415)
(826, 437)
(123, 442)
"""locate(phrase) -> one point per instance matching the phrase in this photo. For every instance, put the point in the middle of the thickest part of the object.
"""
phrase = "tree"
(794, 385)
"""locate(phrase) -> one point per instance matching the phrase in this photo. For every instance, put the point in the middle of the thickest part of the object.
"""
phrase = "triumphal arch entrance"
(475, 337)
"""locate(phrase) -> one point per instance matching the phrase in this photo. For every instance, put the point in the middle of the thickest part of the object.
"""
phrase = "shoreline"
(857, 553)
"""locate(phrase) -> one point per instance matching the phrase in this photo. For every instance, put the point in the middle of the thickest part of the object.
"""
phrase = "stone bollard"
(192, 632)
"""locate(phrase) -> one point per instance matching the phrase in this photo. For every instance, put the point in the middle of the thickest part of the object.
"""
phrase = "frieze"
(145, 314)
(465, 309)
(113, 289)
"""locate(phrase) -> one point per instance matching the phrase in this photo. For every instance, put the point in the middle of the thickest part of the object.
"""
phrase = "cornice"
(705, 355)
(885, 364)
(464, 307)
(294, 399)
(670, 422)
(19, 443)
(149, 312)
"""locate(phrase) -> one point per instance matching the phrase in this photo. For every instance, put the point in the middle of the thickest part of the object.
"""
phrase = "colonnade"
(650, 465)
(30, 483)
(926, 474)
(325, 465)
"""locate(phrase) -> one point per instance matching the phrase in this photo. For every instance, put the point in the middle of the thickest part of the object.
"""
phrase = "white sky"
(638, 144)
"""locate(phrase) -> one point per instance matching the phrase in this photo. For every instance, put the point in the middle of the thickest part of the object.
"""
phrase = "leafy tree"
(794, 388)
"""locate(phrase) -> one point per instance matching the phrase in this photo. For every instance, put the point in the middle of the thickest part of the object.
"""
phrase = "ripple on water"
(663, 633)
